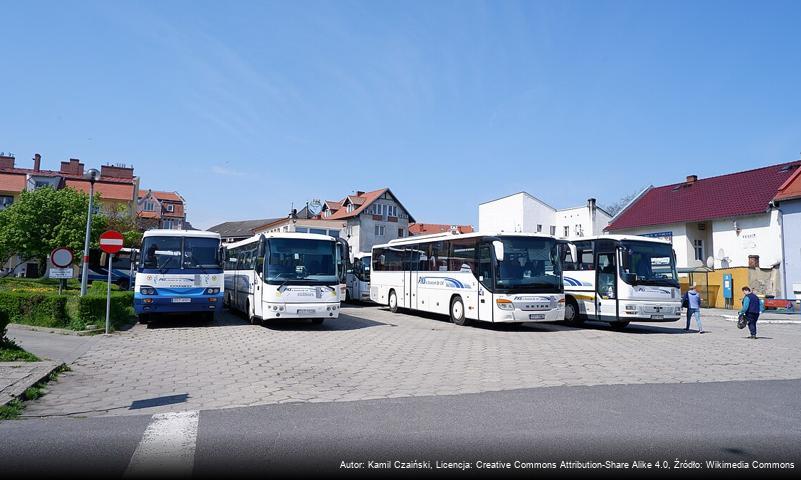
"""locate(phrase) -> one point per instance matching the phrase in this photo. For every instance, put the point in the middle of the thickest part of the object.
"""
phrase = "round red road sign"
(111, 241)
(61, 257)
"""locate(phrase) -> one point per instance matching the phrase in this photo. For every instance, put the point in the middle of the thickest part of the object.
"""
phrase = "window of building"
(698, 246)
(553, 230)
(350, 207)
(301, 230)
(567, 232)
(379, 230)
(579, 231)
(539, 228)
(169, 207)
(6, 201)
(149, 206)
(400, 233)
(333, 233)
(319, 231)
(167, 224)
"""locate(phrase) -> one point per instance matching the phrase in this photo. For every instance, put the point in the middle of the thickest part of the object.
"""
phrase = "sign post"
(110, 242)
(61, 258)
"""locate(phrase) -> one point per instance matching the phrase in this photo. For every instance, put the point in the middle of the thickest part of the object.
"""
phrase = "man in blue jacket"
(693, 301)
(752, 307)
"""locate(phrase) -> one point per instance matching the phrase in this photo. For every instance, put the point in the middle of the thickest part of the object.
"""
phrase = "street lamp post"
(92, 175)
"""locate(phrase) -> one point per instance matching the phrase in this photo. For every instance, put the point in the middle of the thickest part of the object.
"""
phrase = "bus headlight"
(505, 304)
(147, 291)
(212, 291)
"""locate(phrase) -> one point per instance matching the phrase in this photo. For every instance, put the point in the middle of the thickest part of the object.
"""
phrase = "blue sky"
(245, 107)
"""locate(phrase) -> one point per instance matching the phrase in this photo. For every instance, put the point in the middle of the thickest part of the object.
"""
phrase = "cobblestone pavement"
(370, 353)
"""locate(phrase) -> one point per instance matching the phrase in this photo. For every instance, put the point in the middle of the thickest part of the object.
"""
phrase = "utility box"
(728, 290)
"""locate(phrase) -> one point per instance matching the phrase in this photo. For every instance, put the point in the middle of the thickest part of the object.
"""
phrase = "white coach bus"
(286, 275)
(514, 277)
(621, 279)
(358, 279)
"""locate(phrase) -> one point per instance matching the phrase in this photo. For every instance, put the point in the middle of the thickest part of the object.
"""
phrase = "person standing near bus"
(693, 300)
(752, 307)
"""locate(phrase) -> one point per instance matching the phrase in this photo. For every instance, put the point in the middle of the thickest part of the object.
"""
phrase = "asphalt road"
(727, 421)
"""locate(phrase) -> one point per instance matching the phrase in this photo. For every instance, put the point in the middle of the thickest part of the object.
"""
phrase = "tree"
(122, 220)
(615, 208)
(44, 219)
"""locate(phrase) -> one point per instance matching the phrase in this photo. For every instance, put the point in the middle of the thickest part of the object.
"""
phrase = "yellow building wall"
(713, 292)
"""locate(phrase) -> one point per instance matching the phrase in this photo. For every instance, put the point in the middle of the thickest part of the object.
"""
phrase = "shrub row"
(3, 325)
(64, 311)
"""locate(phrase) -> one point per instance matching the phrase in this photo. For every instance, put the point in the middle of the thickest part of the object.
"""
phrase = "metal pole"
(85, 266)
(108, 292)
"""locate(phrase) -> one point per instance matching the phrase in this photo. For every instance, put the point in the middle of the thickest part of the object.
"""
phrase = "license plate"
(536, 316)
(302, 311)
(657, 317)
(181, 300)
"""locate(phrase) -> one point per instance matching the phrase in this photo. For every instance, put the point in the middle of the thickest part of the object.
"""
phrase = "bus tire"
(458, 315)
(572, 312)
(393, 301)
(251, 318)
(347, 296)
(620, 325)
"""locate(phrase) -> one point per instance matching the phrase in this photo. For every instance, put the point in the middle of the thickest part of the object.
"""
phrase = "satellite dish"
(315, 206)
(710, 262)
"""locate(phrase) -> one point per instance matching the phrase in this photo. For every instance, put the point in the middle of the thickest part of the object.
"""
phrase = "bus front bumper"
(649, 312)
(520, 316)
(300, 310)
(186, 304)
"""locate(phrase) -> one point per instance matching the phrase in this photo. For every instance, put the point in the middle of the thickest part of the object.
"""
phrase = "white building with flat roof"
(523, 212)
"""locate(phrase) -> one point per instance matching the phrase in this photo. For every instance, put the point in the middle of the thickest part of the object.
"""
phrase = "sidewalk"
(54, 349)
(768, 316)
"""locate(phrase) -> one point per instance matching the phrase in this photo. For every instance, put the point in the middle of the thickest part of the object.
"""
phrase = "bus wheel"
(347, 296)
(393, 301)
(619, 325)
(572, 313)
(457, 312)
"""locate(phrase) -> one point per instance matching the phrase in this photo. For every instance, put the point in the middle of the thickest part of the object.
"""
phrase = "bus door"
(486, 280)
(606, 301)
(258, 279)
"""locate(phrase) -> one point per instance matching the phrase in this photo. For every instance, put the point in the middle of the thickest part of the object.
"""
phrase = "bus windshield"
(529, 264)
(647, 263)
(296, 260)
(182, 253)
(361, 268)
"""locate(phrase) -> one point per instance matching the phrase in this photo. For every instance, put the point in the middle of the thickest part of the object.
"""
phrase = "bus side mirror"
(629, 278)
(259, 265)
(221, 256)
(497, 245)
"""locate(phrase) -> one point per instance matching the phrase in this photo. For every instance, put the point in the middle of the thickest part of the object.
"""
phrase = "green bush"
(91, 309)
(43, 309)
(3, 325)
(99, 287)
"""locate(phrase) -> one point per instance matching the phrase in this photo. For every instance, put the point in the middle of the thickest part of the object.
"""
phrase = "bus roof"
(296, 235)
(635, 238)
(180, 233)
(454, 236)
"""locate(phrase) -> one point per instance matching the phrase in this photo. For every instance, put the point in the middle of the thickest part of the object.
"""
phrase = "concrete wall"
(503, 215)
(523, 213)
(791, 217)
(758, 235)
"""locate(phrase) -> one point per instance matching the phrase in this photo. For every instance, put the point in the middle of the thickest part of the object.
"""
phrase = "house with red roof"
(788, 202)
(157, 209)
(363, 218)
(724, 222)
(116, 186)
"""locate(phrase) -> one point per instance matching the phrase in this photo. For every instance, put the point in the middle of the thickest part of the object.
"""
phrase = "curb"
(733, 318)
(60, 331)
(16, 390)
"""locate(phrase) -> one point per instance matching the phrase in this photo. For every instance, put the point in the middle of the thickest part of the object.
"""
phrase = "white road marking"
(167, 447)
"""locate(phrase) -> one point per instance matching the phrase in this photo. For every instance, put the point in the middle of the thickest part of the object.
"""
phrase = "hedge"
(65, 311)
(35, 308)
(3, 324)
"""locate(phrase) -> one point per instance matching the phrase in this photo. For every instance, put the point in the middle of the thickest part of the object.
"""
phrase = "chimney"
(359, 193)
(6, 161)
(692, 179)
(116, 171)
(591, 203)
(73, 167)
(37, 162)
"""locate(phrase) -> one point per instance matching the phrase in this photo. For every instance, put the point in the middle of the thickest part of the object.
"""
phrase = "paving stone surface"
(370, 353)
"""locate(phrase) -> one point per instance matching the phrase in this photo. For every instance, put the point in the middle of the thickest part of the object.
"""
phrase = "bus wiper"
(164, 267)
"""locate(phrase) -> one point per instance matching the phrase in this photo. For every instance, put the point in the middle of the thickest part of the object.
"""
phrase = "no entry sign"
(111, 241)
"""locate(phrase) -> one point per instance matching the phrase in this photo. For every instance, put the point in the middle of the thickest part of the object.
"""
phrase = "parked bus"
(621, 279)
(179, 271)
(123, 268)
(286, 275)
(508, 277)
(358, 279)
